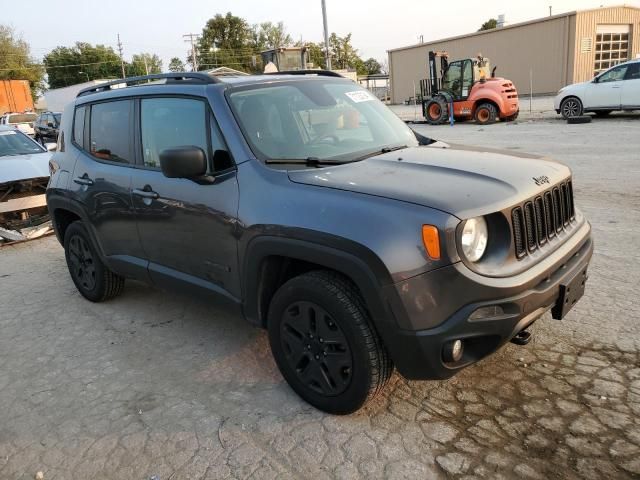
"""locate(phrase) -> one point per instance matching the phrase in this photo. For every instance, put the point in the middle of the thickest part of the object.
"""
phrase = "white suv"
(615, 89)
(22, 121)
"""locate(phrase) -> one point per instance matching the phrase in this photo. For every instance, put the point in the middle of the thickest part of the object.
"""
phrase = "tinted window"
(78, 127)
(633, 73)
(110, 131)
(57, 117)
(613, 75)
(22, 118)
(171, 122)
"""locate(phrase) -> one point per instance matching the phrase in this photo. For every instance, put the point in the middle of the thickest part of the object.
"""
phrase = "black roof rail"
(197, 77)
(322, 73)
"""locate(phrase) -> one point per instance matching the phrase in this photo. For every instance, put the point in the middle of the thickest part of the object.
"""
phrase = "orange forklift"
(466, 89)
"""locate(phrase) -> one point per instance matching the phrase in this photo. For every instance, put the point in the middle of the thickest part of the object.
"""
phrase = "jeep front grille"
(541, 218)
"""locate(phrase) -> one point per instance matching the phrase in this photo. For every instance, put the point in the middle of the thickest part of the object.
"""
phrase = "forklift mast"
(434, 77)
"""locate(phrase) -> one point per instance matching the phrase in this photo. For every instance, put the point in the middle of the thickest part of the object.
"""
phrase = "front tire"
(324, 343)
(91, 277)
(571, 107)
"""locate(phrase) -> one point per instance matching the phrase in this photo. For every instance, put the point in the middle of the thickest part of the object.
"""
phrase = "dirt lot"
(150, 384)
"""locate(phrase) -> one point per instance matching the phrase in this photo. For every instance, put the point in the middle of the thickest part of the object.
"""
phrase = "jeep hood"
(463, 181)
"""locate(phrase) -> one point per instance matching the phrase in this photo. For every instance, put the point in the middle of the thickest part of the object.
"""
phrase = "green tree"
(176, 65)
(372, 66)
(138, 66)
(489, 24)
(343, 55)
(275, 35)
(64, 64)
(226, 41)
(16, 62)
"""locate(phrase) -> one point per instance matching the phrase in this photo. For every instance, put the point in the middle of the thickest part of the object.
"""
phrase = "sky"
(157, 26)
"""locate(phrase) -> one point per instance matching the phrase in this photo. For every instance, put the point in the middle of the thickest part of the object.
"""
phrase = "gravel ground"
(151, 384)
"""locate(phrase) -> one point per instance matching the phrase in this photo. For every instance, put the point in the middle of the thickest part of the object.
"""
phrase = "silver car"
(24, 174)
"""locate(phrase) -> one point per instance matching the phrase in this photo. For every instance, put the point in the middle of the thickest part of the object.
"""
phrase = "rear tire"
(485, 113)
(512, 118)
(571, 107)
(436, 111)
(324, 343)
(91, 277)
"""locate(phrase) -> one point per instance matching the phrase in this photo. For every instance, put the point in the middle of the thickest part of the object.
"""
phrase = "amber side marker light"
(431, 241)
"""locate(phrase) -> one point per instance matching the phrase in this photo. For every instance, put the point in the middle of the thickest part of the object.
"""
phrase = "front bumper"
(454, 293)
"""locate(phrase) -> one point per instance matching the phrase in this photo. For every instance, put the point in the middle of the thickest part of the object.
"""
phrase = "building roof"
(507, 27)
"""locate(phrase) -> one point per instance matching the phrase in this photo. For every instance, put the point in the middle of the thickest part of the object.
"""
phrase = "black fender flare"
(62, 203)
(351, 259)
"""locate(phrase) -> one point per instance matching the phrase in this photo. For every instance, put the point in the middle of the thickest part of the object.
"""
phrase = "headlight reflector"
(474, 238)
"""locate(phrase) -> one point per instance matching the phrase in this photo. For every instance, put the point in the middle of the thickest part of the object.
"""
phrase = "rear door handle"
(83, 180)
(146, 192)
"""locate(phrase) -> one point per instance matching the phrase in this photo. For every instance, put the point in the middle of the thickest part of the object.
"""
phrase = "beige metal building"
(558, 50)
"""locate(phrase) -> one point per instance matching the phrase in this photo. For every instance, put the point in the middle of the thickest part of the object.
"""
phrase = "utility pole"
(327, 57)
(121, 59)
(550, 10)
(192, 38)
(146, 66)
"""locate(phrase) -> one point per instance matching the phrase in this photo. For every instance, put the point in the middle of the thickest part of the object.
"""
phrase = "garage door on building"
(612, 46)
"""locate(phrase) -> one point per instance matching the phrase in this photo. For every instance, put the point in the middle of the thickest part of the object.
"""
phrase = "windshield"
(17, 143)
(319, 119)
(22, 118)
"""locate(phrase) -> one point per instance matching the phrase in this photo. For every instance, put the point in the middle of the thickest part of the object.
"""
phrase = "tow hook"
(521, 338)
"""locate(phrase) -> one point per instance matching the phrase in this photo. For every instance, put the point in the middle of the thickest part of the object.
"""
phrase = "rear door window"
(110, 131)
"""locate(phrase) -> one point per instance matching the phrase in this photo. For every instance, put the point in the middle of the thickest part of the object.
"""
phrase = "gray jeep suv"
(305, 203)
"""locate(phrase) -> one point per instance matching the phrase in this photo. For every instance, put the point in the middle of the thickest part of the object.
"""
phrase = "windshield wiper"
(309, 161)
(378, 152)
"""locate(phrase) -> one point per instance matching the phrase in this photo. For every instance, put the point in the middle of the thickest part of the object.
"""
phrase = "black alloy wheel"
(82, 262)
(91, 276)
(571, 107)
(316, 348)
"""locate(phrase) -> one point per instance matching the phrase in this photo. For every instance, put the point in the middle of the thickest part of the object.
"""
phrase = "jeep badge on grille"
(541, 180)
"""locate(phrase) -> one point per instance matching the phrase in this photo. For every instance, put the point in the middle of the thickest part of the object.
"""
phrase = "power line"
(189, 37)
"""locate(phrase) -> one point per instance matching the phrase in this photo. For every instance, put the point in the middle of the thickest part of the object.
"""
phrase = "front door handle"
(145, 192)
(83, 180)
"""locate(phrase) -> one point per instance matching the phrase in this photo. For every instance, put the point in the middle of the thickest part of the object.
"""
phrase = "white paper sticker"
(7, 132)
(358, 96)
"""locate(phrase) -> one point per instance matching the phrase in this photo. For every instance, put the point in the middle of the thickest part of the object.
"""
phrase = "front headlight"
(474, 238)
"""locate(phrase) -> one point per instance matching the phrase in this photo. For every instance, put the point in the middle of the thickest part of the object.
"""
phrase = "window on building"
(611, 49)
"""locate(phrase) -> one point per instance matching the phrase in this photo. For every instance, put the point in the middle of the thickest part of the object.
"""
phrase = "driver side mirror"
(183, 162)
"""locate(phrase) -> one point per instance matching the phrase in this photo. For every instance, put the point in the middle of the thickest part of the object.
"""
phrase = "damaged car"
(24, 174)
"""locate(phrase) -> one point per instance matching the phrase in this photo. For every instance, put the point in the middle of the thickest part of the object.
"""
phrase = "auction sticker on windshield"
(7, 133)
(359, 96)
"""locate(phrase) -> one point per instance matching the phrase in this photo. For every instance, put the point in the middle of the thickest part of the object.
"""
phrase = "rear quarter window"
(78, 126)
